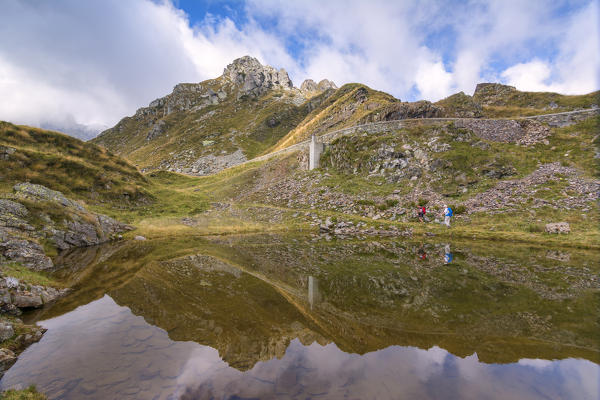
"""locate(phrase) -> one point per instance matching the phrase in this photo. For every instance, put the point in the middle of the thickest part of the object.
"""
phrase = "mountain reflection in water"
(278, 317)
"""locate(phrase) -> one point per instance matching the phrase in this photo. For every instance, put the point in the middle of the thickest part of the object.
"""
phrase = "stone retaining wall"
(503, 130)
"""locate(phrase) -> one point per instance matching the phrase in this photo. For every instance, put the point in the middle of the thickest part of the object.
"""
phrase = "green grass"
(77, 169)
(26, 275)
(26, 394)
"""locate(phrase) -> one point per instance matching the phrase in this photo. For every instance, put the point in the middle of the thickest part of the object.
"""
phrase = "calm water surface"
(295, 317)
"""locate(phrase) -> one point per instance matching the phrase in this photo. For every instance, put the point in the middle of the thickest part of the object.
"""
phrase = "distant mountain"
(72, 128)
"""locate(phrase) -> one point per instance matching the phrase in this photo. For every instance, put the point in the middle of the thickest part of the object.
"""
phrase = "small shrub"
(391, 202)
(382, 206)
(423, 202)
(459, 209)
(366, 202)
(535, 228)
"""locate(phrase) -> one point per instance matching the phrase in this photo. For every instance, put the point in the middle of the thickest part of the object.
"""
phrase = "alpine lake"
(314, 317)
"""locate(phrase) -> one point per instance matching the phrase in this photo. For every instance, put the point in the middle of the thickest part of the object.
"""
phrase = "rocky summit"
(253, 78)
(202, 128)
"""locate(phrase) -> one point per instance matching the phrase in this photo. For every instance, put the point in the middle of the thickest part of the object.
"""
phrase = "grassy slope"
(80, 170)
(344, 108)
(514, 103)
(515, 226)
(250, 124)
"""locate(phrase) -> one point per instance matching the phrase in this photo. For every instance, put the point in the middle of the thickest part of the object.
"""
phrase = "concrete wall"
(315, 150)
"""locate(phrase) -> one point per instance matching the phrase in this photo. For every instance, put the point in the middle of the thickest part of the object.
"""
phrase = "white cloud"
(71, 62)
(433, 81)
(529, 76)
(93, 62)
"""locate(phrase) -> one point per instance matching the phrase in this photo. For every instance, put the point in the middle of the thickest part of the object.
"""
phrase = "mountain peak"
(310, 87)
(254, 78)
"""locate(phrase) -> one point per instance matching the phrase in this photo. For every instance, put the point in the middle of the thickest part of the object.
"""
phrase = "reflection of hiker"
(447, 255)
(422, 213)
(422, 254)
(447, 215)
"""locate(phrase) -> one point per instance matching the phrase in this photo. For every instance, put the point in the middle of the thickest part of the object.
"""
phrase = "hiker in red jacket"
(422, 213)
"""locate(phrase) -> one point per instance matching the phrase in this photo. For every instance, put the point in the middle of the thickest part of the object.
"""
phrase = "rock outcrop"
(37, 215)
(460, 105)
(492, 94)
(558, 227)
(405, 110)
(15, 295)
(254, 79)
(310, 88)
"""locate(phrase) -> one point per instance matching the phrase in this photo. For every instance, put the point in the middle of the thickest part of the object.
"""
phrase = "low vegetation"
(26, 394)
(77, 169)
(26, 275)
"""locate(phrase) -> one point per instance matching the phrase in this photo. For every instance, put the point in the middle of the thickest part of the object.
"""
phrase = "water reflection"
(288, 317)
(313, 291)
(448, 257)
(102, 351)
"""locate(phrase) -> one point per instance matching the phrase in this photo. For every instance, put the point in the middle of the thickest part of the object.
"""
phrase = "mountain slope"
(204, 127)
(251, 109)
(78, 169)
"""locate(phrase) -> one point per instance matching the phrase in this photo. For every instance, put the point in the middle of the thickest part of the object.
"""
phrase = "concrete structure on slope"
(315, 151)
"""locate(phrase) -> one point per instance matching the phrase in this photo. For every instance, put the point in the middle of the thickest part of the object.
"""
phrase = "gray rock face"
(156, 130)
(12, 215)
(28, 252)
(417, 109)
(492, 93)
(326, 84)
(6, 152)
(20, 235)
(253, 78)
(26, 296)
(310, 87)
(558, 227)
(42, 193)
(27, 300)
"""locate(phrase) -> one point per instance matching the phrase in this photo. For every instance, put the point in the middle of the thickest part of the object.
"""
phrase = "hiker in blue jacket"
(447, 215)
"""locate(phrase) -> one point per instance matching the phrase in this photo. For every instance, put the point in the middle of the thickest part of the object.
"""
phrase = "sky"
(81, 66)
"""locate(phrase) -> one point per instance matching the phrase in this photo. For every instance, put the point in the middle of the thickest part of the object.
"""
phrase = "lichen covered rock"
(37, 215)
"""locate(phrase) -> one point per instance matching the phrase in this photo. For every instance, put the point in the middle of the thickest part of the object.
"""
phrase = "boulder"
(27, 300)
(7, 359)
(558, 227)
(6, 331)
(42, 193)
(12, 215)
(29, 253)
(6, 152)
